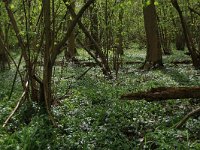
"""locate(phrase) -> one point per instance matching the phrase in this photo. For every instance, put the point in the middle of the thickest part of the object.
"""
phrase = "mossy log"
(164, 93)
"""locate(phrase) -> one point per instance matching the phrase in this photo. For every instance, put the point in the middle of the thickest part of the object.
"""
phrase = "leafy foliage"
(93, 117)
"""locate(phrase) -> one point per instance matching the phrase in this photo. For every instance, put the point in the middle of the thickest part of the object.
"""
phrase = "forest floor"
(92, 116)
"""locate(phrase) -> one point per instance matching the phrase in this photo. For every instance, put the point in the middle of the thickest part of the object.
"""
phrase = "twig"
(15, 77)
(16, 65)
(77, 78)
(17, 106)
(194, 11)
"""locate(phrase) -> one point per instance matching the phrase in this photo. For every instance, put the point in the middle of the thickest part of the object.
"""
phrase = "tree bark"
(70, 52)
(154, 52)
(47, 70)
(4, 60)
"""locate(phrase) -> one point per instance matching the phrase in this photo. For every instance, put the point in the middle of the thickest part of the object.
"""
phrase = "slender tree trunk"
(71, 46)
(94, 27)
(47, 71)
(25, 53)
(188, 37)
(4, 60)
(180, 41)
(120, 32)
(105, 67)
(163, 32)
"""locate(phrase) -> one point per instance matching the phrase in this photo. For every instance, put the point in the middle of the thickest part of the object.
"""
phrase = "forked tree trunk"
(154, 52)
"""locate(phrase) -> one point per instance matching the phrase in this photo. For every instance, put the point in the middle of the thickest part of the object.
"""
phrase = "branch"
(183, 121)
(17, 32)
(105, 67)
(58, 47)
(17, 106)
(194, 11)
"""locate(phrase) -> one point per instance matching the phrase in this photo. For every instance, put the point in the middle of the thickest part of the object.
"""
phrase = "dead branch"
(164, 93)
(133, 62)
(182, 62)
(183, 121)
(17, 106)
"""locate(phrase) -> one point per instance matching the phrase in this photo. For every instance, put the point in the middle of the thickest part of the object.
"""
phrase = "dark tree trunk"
(47, 71)
(154, 52)
(4, 60)
(180, 41)
(195, 55)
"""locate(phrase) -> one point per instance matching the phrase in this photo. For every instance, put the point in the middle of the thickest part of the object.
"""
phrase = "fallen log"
(164, 93)
(86, 64)
(133, 62)
(182, 62)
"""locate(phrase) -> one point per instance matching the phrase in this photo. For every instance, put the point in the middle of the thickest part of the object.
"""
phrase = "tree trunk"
(180, 41)
(154, 52)
(120, 32)
(25, 53)
(71, 46)
(188, 37)
(4, 60)
(47, 71)
(94, 30)
(165, 41)
(163, 32)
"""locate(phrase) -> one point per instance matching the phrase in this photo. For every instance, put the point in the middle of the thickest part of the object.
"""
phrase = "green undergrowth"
(92, 116)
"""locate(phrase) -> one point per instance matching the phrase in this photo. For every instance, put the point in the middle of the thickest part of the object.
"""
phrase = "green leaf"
(156, 3)
(148, 2)
(12, 7)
